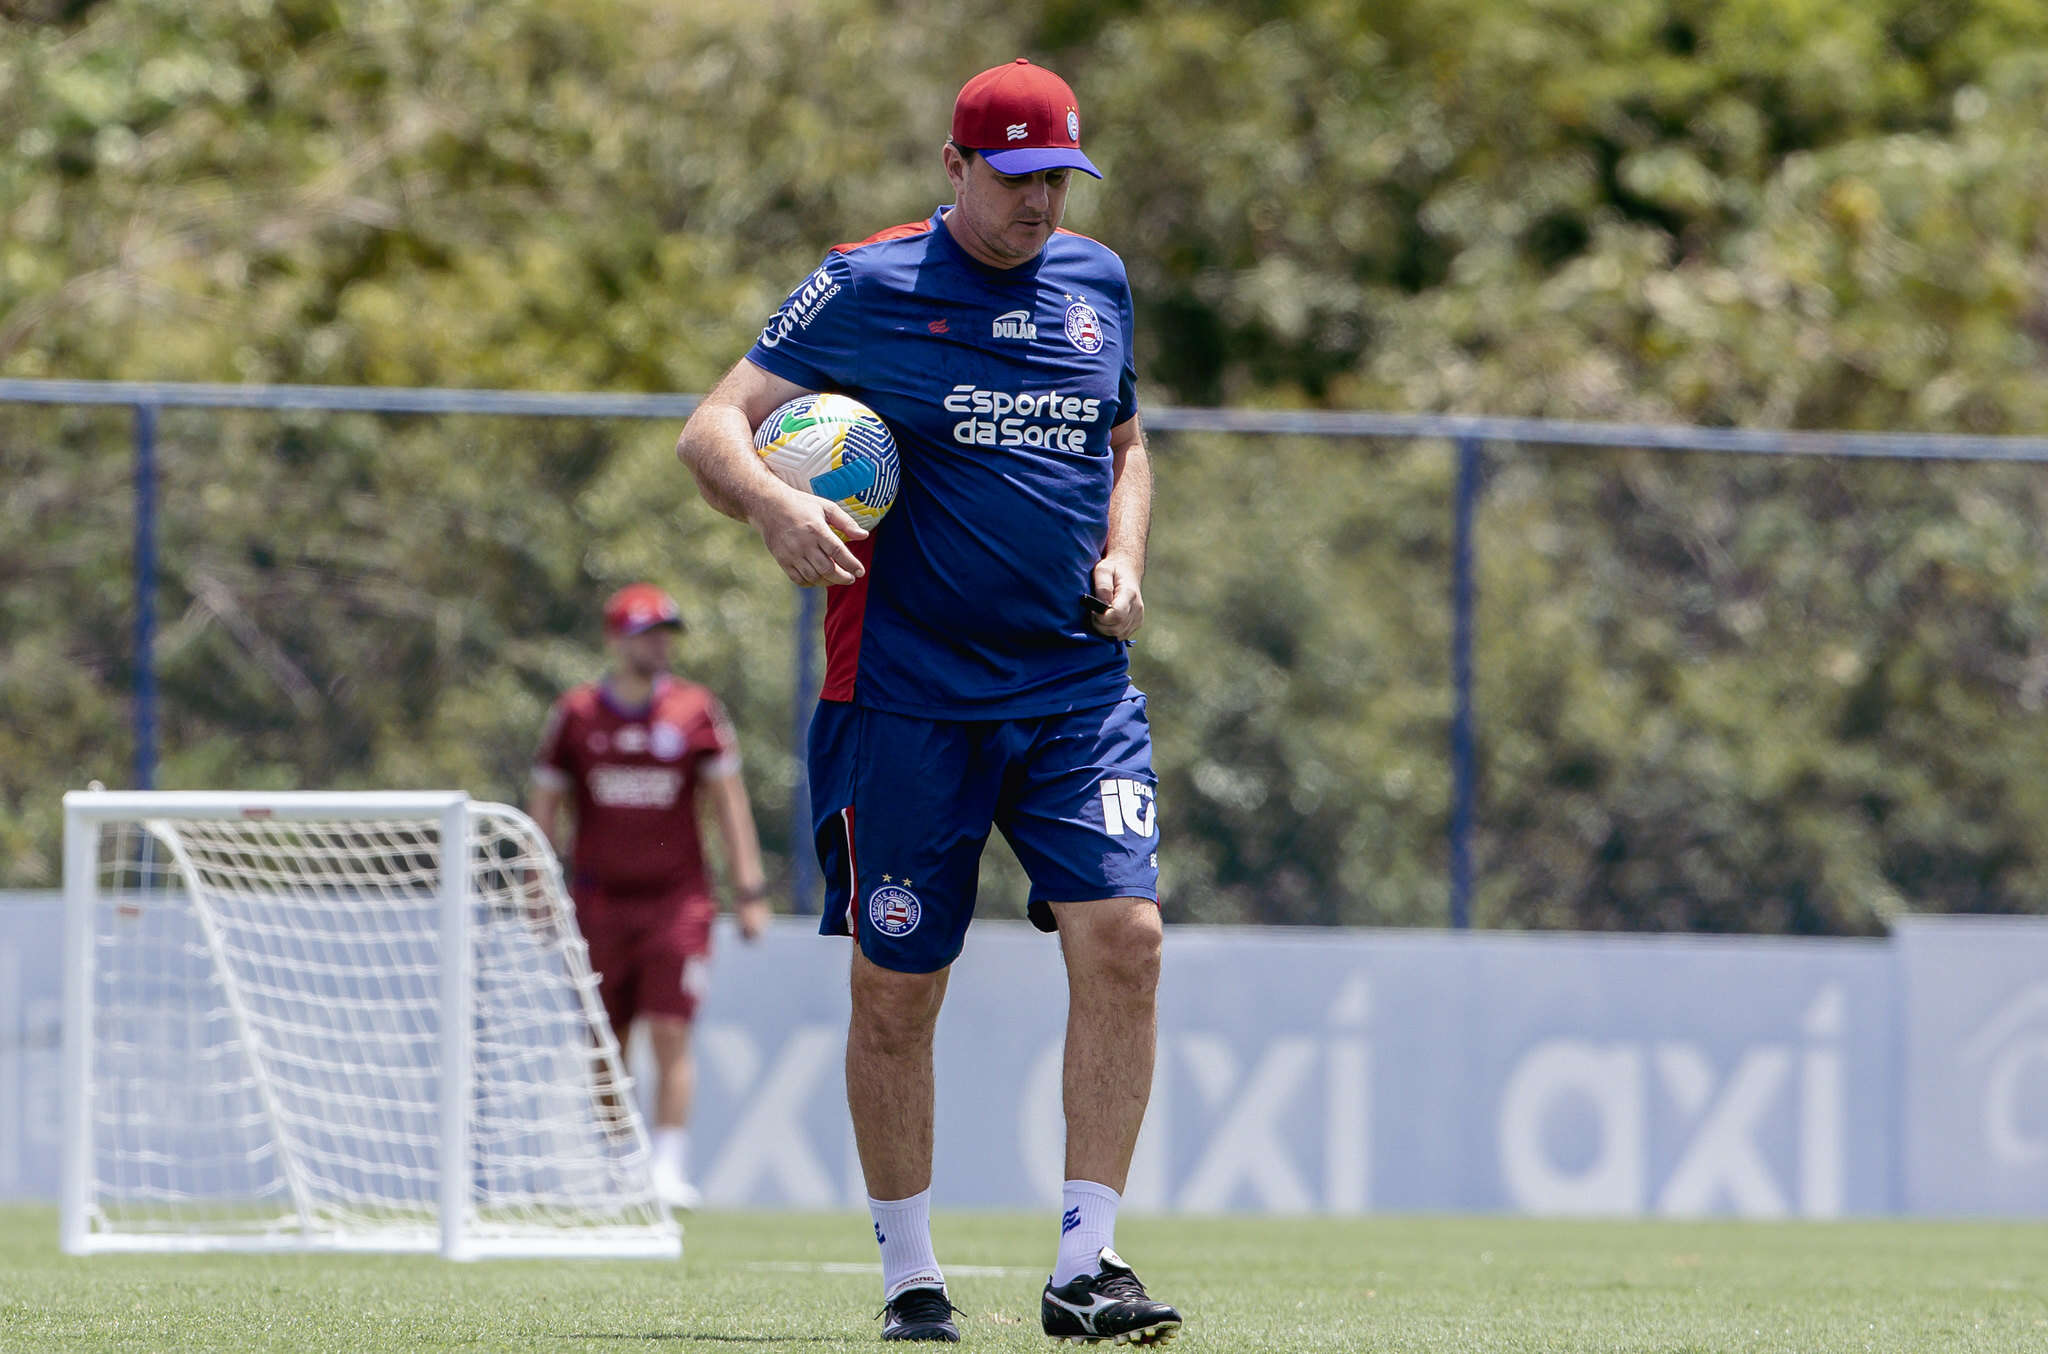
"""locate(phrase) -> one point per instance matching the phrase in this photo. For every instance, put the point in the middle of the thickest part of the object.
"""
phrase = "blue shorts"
(902, 807)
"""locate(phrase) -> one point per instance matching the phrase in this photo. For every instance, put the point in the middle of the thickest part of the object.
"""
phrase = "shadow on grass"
(711, 1339)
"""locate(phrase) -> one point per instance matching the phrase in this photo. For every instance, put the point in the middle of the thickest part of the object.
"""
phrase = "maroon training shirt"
(633, 775)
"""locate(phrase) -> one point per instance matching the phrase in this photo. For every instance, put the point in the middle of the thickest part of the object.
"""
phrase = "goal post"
(339, 1021)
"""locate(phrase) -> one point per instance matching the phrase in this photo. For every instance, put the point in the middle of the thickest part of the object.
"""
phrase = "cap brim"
(642, 627)
(1031, 159)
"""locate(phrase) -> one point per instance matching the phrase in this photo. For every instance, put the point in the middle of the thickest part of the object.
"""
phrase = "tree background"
(1714, 693)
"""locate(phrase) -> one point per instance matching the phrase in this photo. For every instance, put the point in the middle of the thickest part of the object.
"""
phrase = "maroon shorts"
(649, 950)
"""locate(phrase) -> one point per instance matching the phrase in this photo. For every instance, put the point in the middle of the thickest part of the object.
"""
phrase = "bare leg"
(675, 1069)
(611, 1103)
(889, 1075)
(1112, 954)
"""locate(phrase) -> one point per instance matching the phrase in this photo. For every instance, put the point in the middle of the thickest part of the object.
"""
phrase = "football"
(836, 448)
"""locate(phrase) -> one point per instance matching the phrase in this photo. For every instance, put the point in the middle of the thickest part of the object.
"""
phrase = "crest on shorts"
(695, 979)
(894, 911)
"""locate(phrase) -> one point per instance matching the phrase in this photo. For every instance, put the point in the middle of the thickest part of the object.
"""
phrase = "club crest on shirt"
(894, 911)
(1084, 327)
(665, 741)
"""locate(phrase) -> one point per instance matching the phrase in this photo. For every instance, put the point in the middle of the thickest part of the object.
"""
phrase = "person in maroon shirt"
(629, 754)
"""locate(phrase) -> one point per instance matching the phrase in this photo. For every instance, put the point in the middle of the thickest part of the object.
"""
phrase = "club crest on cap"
(1073, 125)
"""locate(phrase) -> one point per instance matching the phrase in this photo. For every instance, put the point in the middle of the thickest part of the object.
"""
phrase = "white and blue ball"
(837, 448)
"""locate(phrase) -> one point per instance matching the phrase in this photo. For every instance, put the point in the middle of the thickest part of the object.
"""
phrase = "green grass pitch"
(767, 1281)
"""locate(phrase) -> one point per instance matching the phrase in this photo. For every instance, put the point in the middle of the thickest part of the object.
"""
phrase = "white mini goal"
(347, 1021)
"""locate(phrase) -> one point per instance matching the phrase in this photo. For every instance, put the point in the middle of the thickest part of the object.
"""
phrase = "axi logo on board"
(1725, 1162)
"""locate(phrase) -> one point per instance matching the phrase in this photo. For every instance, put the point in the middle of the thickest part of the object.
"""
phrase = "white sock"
(904, 1229)
(672, 1151)
(1087, 1224)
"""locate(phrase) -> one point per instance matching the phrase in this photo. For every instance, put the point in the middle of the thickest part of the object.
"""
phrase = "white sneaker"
(673, 1191)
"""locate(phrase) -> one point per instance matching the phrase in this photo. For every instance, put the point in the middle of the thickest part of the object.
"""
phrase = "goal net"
(337, 1021)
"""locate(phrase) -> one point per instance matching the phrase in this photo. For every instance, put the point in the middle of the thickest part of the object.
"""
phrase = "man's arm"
(1120, 574)
(544, 806)
(806, 534)
(742, 852)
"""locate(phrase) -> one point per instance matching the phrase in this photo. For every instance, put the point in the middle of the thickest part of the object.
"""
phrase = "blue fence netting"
(1467, 437)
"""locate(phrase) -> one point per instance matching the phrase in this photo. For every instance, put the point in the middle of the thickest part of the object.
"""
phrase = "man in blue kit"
(975, 661)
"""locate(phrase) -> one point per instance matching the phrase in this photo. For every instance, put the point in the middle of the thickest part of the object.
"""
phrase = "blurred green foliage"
(1714, 693)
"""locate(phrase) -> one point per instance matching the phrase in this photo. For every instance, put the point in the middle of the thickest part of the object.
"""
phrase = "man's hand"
(536, 904)
(1116, 580)
(807, 535)
(753, 918)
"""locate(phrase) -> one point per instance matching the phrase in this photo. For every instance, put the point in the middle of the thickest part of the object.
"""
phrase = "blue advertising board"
(1328, 1071)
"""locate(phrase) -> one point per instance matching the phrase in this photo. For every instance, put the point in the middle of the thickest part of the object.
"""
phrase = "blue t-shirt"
(1001, 387)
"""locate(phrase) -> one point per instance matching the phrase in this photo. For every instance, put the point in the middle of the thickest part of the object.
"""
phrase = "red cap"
(638, 607)
(1022, 118)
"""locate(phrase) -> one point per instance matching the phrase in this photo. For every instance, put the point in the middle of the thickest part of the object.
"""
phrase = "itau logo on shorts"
(894, 911)
(1128, 806)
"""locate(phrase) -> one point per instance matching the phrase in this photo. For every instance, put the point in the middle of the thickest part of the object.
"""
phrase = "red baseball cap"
(639, 607)
(1022, 118)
